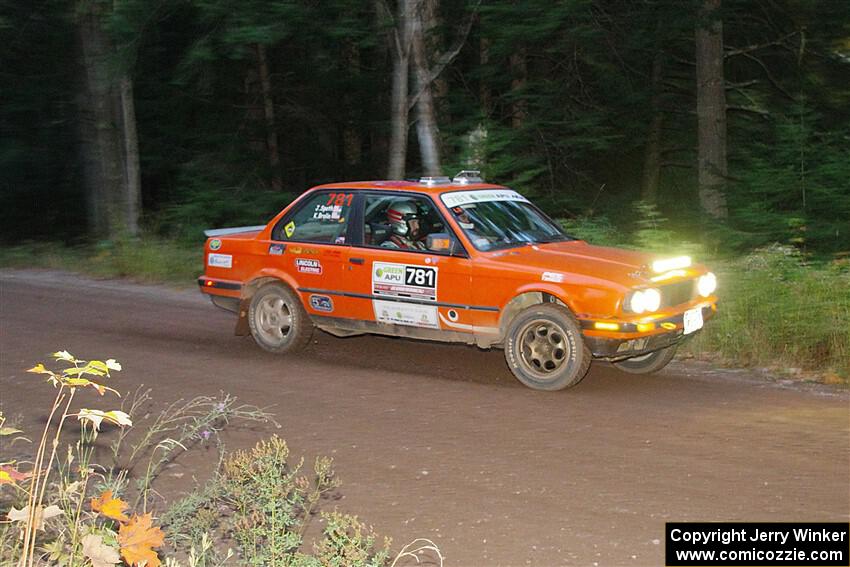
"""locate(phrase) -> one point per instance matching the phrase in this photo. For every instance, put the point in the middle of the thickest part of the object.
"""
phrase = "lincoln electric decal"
(404, 281)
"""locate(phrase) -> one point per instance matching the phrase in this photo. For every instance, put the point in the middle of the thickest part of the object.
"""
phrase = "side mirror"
(440, 242)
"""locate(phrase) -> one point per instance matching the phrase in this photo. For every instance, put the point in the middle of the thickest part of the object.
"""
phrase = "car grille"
(678, 293)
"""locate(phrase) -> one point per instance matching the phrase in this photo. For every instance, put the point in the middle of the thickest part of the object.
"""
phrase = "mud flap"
(242, 327)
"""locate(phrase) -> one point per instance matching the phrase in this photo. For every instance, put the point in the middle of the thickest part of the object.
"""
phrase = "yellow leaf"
(137, 538)
(97, 416)
(64, 355)
(40, 369)
(110, 507)
(100, 554)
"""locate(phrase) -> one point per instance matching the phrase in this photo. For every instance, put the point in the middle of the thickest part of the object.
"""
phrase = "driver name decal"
(405, 281)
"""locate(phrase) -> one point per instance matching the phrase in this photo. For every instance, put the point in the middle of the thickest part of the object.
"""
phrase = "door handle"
(358, 261)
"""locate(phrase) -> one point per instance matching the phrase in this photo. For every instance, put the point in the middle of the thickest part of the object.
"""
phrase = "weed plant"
(62, 507)
(263, 501)
(777, 311)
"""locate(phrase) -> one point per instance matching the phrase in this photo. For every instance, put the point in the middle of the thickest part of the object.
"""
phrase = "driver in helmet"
(406, 225)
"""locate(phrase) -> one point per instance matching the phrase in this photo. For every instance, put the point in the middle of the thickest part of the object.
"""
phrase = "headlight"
(706, 284)
(645, 300)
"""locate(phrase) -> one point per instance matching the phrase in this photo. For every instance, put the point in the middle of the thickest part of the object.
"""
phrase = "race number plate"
(693, 320)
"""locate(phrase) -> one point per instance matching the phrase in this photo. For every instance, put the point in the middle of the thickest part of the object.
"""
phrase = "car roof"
(411, 186)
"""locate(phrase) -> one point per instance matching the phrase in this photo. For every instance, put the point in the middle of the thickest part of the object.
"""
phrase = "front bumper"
(628, 342)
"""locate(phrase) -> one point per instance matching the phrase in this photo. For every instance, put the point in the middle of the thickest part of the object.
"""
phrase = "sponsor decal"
(220, 260)
(300, 250)
(308, 266)
(552, 277)
(276, 249)
(407, 314)
(405, 281)
(459, 198)
(322, 303)
(289, 229)
(215, 244)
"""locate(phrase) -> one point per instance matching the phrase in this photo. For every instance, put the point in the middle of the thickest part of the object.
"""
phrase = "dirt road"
(441, 442)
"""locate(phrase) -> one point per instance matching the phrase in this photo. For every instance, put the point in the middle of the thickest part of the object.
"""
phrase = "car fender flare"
(264, 277)
(528, 298)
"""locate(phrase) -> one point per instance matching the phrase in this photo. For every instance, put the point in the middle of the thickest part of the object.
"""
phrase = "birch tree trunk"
(132, 194)
(711, 111)
(426, 119)
(401, 39)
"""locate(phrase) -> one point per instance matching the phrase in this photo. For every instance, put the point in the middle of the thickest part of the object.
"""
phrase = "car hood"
(624, 267)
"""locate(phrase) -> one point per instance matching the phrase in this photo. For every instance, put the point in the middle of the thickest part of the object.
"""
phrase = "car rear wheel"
(545, 350)
(648, 363)
(278, 321)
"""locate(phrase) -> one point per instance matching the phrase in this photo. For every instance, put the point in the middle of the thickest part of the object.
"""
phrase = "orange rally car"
(458, 261)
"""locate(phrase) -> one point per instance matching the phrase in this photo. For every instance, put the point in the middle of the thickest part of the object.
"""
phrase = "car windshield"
(494, 220)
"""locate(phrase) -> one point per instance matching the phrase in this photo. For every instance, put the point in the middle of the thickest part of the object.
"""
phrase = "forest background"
(133, 125)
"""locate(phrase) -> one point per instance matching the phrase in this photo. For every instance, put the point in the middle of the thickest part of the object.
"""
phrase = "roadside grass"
(777, 311)
(147, 259)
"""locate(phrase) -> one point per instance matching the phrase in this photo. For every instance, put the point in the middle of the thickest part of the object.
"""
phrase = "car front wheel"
(277, 320)
(648, 363)
(545, 350)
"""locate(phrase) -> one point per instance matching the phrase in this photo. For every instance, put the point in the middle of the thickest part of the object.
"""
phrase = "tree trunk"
(352, 143)
(132, 173)
(519, 74)
(426, 119)
(484, 93)
(272, 146)
(711, 111)
(652, 152)
(105, 180)
(400, 37)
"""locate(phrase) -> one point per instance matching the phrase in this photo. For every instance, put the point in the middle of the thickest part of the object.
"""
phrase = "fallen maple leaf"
(110, 507)
(9, 475)
(137, 537)
(100, 554)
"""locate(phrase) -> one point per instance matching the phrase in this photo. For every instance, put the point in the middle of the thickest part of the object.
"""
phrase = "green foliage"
(595, 229)
(779, 312)
(211, 198)
(263, 501)
(793, 186)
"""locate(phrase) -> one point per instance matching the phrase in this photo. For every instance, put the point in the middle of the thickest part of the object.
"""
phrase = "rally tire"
(278, 321)
(648, 363)
(544, 348)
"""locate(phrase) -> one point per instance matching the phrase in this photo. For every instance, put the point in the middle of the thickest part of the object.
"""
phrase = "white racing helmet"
(399, 213)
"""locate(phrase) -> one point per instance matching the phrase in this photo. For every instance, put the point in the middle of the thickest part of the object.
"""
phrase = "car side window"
(323, 217)
(401, 222)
